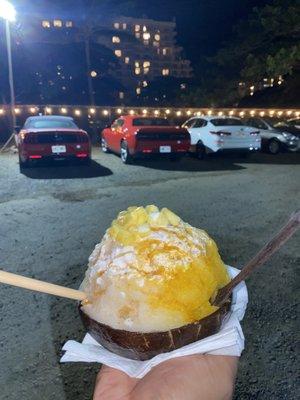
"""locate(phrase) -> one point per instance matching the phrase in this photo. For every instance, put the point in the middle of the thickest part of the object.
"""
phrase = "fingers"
(112, 384)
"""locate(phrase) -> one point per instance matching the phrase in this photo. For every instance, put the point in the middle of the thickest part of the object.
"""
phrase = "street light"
(8, 13)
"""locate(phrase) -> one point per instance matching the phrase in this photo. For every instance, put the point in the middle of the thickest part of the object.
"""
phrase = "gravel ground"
(52, 217)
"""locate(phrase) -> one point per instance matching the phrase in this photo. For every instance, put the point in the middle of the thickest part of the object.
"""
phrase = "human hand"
(196, 377)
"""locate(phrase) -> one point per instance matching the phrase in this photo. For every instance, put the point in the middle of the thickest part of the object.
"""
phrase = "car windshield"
(277, 123)
(226, 122)
(45, 123)
(150, 122)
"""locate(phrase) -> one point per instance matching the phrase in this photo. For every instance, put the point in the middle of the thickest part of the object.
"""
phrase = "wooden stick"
(261, 257)
(40, 286)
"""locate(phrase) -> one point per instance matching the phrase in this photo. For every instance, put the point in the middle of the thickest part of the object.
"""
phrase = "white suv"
(221, 134)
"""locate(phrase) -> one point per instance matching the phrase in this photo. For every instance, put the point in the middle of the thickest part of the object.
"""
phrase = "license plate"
(58, 149)
(165, 149)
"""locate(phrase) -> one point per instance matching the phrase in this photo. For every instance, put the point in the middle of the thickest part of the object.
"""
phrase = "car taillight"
(254, 133)
(82, 138)
(221, 133)
(30, 138)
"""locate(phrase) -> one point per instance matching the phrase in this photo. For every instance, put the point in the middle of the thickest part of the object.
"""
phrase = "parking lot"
(52, 217)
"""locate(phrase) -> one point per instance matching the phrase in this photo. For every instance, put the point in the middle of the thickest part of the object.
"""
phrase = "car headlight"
(288, 136)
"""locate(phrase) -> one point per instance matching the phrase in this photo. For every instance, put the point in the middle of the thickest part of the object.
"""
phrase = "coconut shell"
(142, 346)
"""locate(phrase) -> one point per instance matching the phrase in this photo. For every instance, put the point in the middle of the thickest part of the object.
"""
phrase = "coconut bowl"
(142, 346)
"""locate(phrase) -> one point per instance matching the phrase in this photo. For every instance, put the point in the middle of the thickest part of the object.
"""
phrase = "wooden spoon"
(260, 258)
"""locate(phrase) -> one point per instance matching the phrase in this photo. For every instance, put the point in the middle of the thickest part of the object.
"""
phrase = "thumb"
(112, 384)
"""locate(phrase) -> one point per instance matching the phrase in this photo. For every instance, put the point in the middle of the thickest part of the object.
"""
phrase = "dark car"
(52, 137)
(276, 134)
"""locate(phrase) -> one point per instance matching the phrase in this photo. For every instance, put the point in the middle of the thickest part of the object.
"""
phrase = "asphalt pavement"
(51, 217)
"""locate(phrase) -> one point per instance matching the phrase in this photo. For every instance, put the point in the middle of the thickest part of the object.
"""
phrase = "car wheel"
(23, 164)
(125, 155)
(104, 146)
(273, 146)
(200, 151)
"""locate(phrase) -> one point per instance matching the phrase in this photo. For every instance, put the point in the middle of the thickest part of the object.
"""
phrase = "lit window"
(69, 24)
(126, 60)
(182, 86)
(136, 64)
(138, 90)
(137, 28)
(164, 51)
(121, 95)
(57, 23)
(124, 26)
(117, 25)
(137, 71)
(46, 24)
(116, 39)
(165, 71)
(146, 70)
(157, 37)
(146, 36)
(144, 28)
(156, 44)
(146, 64)
(118, 53)
(137, 35)
(145, 83)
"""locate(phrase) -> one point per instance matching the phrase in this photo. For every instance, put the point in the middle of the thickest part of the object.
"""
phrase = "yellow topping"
(175, 266)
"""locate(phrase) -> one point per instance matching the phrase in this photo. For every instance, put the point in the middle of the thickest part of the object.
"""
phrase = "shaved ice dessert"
(151, 274)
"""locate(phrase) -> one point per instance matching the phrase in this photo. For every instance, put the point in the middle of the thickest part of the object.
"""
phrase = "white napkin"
(228, 341)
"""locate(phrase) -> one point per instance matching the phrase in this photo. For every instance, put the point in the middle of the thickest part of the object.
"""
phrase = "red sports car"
(132, 136)
(52, 137)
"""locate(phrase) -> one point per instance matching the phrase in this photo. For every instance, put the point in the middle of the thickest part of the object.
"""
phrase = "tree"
(266, 45)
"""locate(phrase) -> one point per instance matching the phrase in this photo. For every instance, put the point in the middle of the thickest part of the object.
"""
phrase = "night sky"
(203, 25)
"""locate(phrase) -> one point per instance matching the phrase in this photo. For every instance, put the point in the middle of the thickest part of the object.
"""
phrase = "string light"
(297, 113)
(63, 110)
(145, 111)
(271, 112)
(48, 110)
(262, 113)
(105, 112)
(92, 110)
(168, 111)
(119, 110)
(188, 112)
(77, 112)
(131, 112)
(209, 112)
(242, 113)
(32, 110)
(289, 112)
(156, 112)
(280, 113)
(178, 113)
(1, 111)
(220, 113)
(17, 110)
(252, 112)
(231, 112)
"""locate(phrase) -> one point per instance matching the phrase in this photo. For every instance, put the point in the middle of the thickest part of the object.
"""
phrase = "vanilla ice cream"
(152, 272)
